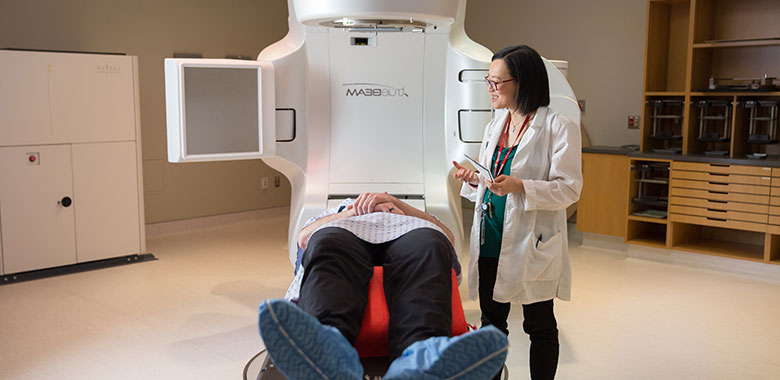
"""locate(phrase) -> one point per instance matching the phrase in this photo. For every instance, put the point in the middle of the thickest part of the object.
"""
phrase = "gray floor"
(192, 313)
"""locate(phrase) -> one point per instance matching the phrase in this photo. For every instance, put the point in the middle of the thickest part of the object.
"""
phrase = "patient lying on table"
(339, 249)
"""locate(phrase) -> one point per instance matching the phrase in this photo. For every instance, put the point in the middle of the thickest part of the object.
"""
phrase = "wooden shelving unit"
(691, 41)
(713, 208)
(647, 220)
(650, 234)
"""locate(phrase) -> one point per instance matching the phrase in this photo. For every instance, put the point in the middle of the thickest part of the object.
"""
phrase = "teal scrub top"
(494, 225)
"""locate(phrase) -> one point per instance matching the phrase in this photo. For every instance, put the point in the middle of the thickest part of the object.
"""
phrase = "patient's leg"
(418, 288)
(334, 290)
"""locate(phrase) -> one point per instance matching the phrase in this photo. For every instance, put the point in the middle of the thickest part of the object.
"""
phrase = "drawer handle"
(714, 201)
(716, 219)
(720, 165)
(714, 210)
(719, 183)
(717, 192)
(720, 174)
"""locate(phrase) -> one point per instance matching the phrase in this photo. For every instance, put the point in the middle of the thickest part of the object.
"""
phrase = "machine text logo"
(108, 69)
(374, 89)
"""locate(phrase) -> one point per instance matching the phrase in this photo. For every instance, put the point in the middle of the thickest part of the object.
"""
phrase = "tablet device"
(483, 171)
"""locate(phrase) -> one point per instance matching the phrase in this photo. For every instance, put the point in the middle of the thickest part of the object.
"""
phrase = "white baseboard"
(616, 245)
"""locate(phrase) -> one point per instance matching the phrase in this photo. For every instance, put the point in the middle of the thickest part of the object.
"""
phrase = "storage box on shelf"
(710, 126)
(756, 119)
(648, 188)
(664, 119)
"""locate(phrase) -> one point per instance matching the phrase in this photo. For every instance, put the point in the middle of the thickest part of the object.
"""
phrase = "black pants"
(538, 322)
(417, 283)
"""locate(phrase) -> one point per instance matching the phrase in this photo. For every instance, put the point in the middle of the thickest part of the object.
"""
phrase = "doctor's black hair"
(527, 68)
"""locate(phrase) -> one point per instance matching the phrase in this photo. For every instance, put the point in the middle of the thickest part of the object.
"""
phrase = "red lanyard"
(496, 169)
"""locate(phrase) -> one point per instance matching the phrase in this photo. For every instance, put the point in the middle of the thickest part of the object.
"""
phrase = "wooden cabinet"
(724, 210)
(701, 118)
(602, 205)
(700, 57)
(701, 223)
(714, 208)
(698, 103)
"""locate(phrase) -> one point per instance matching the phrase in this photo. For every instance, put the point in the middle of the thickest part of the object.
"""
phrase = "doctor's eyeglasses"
(493, 85)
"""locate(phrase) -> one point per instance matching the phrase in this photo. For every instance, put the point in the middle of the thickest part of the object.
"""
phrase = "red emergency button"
(32, 158)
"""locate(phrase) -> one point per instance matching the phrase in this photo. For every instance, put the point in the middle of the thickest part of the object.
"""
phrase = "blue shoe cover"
(477, 355)
(304, 349)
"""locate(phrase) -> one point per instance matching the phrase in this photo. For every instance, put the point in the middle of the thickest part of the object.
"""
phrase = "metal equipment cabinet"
(70, 165)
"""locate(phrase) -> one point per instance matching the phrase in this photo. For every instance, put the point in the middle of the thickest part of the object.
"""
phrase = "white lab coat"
(548, 160)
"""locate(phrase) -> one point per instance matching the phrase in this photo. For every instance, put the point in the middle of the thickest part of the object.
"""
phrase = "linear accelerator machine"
(359, 96)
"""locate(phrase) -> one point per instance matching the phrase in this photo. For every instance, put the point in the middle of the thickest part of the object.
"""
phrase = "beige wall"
(154, 30)
(603, 40)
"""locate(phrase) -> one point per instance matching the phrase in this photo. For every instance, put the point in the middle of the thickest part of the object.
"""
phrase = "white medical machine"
(359, 96)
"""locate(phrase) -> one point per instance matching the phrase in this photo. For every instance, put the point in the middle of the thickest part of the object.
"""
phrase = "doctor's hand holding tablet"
(500, 185)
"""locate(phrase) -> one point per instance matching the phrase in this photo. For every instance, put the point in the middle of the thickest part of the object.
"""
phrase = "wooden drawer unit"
(721, 196)
(723, 215)
(724, 168)
(724, 178)
(715, 222)
(724, 196)
(723, 205)
(721, 187)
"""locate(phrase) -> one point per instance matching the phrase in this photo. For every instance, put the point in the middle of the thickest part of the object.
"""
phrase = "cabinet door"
(25, 114)
(37, 227)
(92, 97)
(603, 203)
(61, 98)
(105, 180)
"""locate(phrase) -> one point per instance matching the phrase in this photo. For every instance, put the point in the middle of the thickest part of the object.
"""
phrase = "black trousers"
(417, 283)
(538, 322)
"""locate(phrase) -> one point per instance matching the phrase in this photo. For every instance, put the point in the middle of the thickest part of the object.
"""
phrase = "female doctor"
(519, 235)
